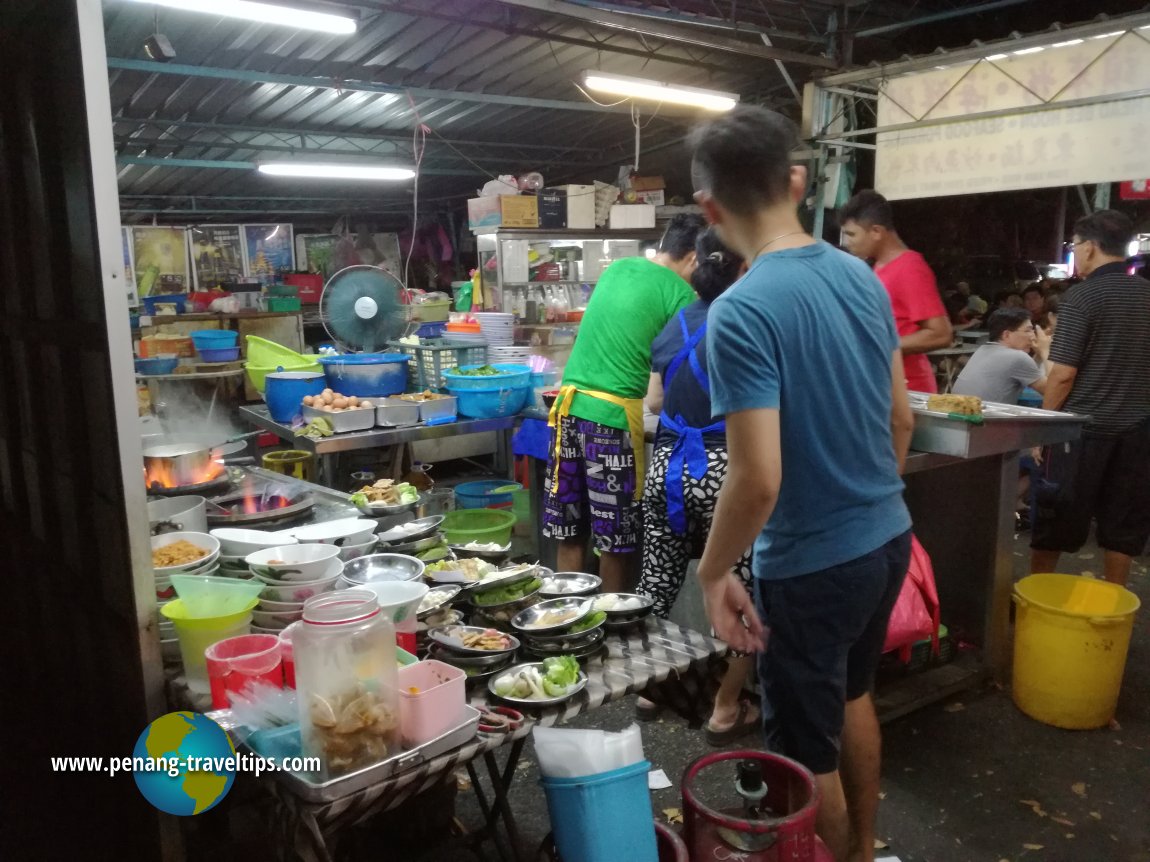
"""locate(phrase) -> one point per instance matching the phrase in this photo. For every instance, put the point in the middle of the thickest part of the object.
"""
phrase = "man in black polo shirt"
(1101, 367)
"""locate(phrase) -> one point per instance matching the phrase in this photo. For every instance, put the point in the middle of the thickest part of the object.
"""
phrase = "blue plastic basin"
(284, 392)
(366, 375)
(491, 403)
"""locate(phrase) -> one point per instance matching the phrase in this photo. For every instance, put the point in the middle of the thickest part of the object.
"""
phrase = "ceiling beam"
(352, 86)
(937, 16)
(631, 24)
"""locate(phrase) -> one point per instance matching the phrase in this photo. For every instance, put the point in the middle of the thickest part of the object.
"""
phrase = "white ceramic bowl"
(270, 605)
(297, 593)
(353, 552)
(239, 543)
(201, 540)
(292, 563)
(344, 532)
(278, 620)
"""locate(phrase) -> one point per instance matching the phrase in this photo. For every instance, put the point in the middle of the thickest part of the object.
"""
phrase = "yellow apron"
(633, 407)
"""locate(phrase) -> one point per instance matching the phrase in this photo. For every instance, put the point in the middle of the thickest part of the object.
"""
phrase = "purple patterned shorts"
(596, 487)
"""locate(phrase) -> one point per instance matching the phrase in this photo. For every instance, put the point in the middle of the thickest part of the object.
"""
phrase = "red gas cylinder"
(750, 806)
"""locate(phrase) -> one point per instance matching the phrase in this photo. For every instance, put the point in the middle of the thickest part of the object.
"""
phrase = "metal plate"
(585, 584)
(412, 531)
(452, 638)
(435, 599)
(381, 510)
(480, 675)
(535, 619)
(496, 557)
(566, 634)
(647, 603)
(416, 546)
(487, 609)
(575, 645)
(579, 685)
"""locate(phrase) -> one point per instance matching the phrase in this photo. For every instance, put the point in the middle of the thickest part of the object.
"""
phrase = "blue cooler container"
(366, 375)
(604, 817)
(284, 392)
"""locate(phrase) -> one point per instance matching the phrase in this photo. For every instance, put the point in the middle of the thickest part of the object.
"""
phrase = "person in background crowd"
(687, 469)
(1034, 301)
(595, 470)
(959, 312)
(1100, 359)
(1000, 369)
(1007, 299)
(919, 315)
(1053, 303)
(974, 303)
(832, 539)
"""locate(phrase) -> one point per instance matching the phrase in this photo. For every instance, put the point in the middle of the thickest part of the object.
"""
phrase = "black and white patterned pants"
(666, 554)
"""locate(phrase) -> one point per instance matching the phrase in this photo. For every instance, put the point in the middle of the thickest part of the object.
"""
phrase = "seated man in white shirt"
(1002, 368)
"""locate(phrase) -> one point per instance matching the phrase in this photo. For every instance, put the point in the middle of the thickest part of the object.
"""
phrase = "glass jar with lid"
(346, 681)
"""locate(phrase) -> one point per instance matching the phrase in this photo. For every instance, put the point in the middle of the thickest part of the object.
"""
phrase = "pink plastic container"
(287, 655)
(234, 663)
(431, 700)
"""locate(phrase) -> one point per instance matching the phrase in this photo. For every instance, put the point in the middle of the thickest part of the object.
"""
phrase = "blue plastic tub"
(180, 300)
(219, 354)
(212, 339)
(366, 375)
(156, 365)
(477, 495)
(510, 377)
(431, 330)
(595, 817)
(491, 403)
(284, 392)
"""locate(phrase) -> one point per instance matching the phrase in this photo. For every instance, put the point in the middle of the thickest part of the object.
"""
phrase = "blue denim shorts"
(827, 631)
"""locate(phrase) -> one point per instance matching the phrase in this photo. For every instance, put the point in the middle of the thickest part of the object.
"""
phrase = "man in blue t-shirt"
(805, 367)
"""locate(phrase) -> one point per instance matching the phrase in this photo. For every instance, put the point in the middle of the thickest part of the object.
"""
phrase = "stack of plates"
(497, 327)
(508, 355)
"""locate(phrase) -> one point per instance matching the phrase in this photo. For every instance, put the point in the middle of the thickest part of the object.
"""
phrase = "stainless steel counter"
(327, 447)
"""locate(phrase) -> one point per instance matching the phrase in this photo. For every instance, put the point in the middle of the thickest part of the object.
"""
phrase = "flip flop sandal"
(741, 727)
(647, 711)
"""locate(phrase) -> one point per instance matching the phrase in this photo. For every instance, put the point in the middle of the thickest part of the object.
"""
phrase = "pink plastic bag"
(916, 613)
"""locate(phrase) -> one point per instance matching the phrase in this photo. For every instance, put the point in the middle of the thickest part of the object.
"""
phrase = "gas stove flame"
(253, 503)
(161, 476)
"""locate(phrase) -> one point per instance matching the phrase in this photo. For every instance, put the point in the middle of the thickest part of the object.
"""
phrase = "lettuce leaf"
(561, 671)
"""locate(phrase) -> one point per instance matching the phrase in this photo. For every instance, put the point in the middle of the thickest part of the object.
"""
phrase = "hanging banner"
(1098, 137)
(319, 253)
(160, 257)
(216, 253)
(269, 252)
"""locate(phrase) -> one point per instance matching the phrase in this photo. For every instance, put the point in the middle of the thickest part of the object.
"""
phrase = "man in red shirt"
(919, 315)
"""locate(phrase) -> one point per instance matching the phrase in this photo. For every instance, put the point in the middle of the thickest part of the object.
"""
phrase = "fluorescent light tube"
(265, 13)
(335, 172)
(657, 91)
(994, 57)
(1033, 50)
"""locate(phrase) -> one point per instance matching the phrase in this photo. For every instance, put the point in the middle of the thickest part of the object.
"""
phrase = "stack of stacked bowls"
(292, 574)
(236, 544)
(206, 565)
(355, 537)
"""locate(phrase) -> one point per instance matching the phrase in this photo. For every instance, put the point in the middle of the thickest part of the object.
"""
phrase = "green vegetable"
(481, 371)
(502, 595)
(359, 501)
(588, 622)
(552, 689)
(561, 671)
(505, 685)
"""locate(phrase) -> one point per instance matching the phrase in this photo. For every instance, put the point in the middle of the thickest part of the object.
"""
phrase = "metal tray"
(447, 636)
(345, 785)
(1005, 428)
(564, 634)
(580, 684)
(418, 529)
(439, 596)
(576, 645)
(586, 584)
(630, 614)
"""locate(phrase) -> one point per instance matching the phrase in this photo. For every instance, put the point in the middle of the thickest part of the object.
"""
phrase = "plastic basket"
(283, 303)
(593, 817)
(434, 356)
(477, 495)
(479, 525)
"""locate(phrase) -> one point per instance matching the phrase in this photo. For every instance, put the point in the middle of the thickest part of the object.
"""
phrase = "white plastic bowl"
(201, 540)
(293, 563)
(344, 532)
(297, 593)
(353, 552)
(235, 542)
(278, 620)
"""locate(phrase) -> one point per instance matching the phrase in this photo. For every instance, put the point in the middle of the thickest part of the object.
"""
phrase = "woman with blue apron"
(686, 472)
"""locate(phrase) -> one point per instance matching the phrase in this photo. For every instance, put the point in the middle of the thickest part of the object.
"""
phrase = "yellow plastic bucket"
(291, 462)
(1070, 643)
(196, 635)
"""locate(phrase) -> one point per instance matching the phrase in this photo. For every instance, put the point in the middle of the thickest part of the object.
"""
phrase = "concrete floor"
(969, 780)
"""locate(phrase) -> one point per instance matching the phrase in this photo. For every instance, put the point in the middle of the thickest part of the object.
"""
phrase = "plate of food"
(499, 596)
(577, 646)
(474, 640)
(412, 530)
(386, 497)
(464, 572)
(491, 551)
(544, 683)
(570, 584)
(435, 599)
(623, 606)
(552, 615)
(580, 628)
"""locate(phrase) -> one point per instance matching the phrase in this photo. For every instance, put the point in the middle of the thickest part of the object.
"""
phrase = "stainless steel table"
(327, 447)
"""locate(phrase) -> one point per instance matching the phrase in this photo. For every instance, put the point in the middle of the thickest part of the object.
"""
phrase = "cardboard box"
(553, 208)
(648, 184)
(580, 206)
(503, 211)
(655, 198)
(632, 216)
